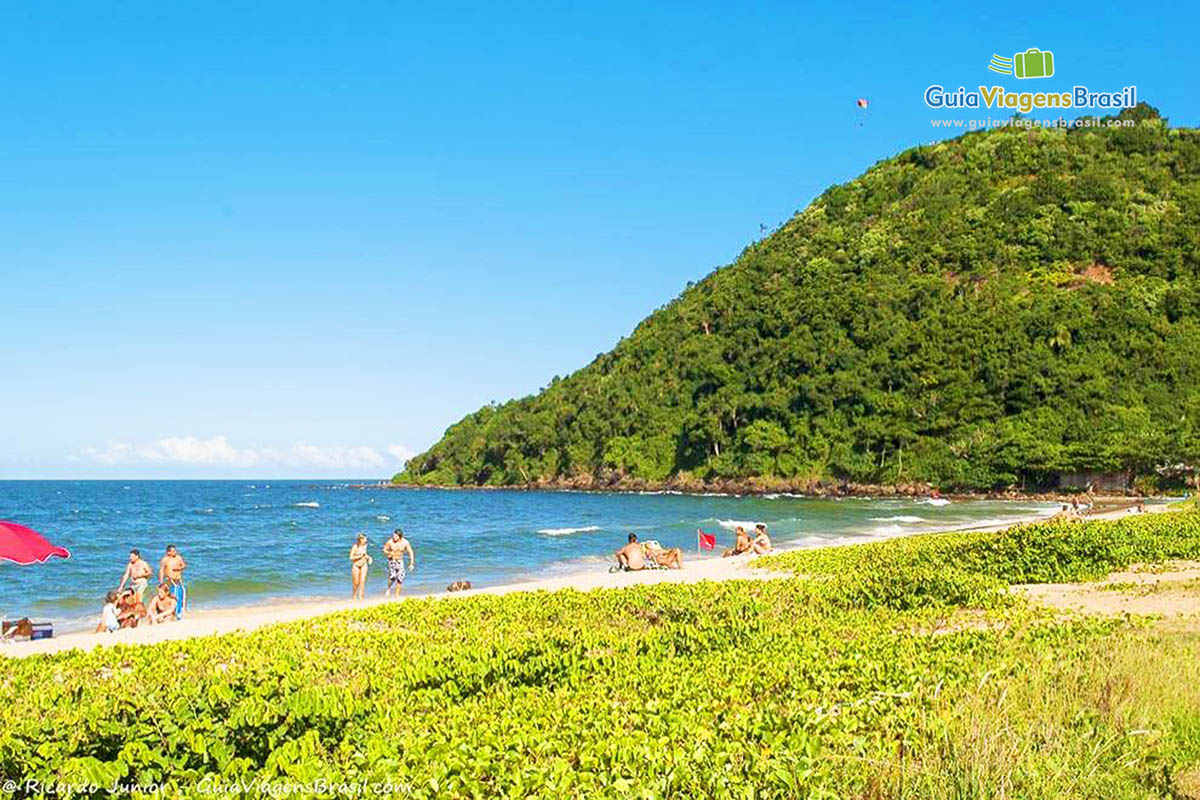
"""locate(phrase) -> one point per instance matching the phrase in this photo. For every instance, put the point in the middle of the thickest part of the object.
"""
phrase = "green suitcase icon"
(1033, 63)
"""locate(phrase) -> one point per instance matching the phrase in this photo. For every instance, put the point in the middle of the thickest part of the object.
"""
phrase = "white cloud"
(400, 452)
(218, 452)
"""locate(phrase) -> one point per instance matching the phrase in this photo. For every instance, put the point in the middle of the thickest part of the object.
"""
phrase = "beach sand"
(208, 622)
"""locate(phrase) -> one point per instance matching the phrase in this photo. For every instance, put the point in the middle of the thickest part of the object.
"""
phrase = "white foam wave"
(732, 524)
(383, 518)
(568, 531)
(307, 504)
(935, 501)
(898, 518)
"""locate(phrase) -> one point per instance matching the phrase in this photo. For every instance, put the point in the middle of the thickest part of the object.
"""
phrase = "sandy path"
(1170, 590)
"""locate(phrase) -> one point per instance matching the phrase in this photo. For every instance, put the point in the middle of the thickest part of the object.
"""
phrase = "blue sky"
(301, 239)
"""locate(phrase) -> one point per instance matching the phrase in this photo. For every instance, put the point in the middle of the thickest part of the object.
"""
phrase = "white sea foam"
(568, 531)
(383, 518)
(935, 501)
(899, 518)
(307, 504)
(731, 524)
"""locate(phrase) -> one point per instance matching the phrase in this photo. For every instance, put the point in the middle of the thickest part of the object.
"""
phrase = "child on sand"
(108, 615)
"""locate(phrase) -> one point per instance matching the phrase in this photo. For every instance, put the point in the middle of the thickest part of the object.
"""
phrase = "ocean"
(254, 541)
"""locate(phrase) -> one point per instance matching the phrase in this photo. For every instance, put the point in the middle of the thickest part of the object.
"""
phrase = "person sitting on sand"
(630, 557)
(359, 561)
(741, 543)
(170, 571)
(130, 609)
(664, 557)
(394, 550)
(762, 542)
(162, 605)
(137, 572)
(108, 615)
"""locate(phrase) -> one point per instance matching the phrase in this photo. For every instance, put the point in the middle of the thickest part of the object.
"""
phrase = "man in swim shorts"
(630, 557)
(170, 572)
(137, 572)
(394, 550)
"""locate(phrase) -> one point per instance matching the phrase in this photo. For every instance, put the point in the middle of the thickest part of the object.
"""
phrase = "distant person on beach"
(741, 543)
(762, 542)
(170, 571)
(162, 605)
(137, 572)
(108, 615)
(394, 550)
(130, 609)
(359, 561)
(630, 556)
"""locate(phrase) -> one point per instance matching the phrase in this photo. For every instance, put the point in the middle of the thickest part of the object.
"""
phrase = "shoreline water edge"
(245, 618)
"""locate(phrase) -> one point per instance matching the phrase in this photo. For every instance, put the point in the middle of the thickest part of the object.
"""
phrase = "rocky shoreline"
(748, 487)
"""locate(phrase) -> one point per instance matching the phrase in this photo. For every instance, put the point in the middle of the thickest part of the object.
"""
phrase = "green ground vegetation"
(905, 668)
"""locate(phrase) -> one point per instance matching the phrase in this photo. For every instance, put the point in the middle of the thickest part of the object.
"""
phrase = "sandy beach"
(208, 622)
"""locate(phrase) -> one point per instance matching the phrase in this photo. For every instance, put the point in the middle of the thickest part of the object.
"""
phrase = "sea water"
(254, 541)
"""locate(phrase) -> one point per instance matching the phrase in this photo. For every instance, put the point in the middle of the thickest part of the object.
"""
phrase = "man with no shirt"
(394, 550)
(137, 572)
(630, 556)
(170, 572)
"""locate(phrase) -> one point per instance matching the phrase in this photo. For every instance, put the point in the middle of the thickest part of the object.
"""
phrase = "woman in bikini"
(359, 561)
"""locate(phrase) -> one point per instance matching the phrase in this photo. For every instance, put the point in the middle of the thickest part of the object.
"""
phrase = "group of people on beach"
(635, 555)
(743, 542)
(125, 607)
(395, 549)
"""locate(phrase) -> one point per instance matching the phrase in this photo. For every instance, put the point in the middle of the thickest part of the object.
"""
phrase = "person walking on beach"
(170, 572)
(394, 550)
(359, 561)
(137, 572)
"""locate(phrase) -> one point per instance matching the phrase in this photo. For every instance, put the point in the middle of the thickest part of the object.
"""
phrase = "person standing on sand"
(170, 572)
(394, 550)
(359, 561)
(137, 572)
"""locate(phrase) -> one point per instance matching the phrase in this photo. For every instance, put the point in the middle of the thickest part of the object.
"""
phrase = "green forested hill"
(984, 312)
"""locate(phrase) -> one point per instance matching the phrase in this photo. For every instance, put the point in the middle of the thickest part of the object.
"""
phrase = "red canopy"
(25, 546)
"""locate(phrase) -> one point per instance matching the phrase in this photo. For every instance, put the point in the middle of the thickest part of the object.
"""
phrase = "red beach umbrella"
(24, 546)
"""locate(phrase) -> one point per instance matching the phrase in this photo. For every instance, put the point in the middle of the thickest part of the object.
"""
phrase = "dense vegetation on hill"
(897, 669)
(984, 312)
